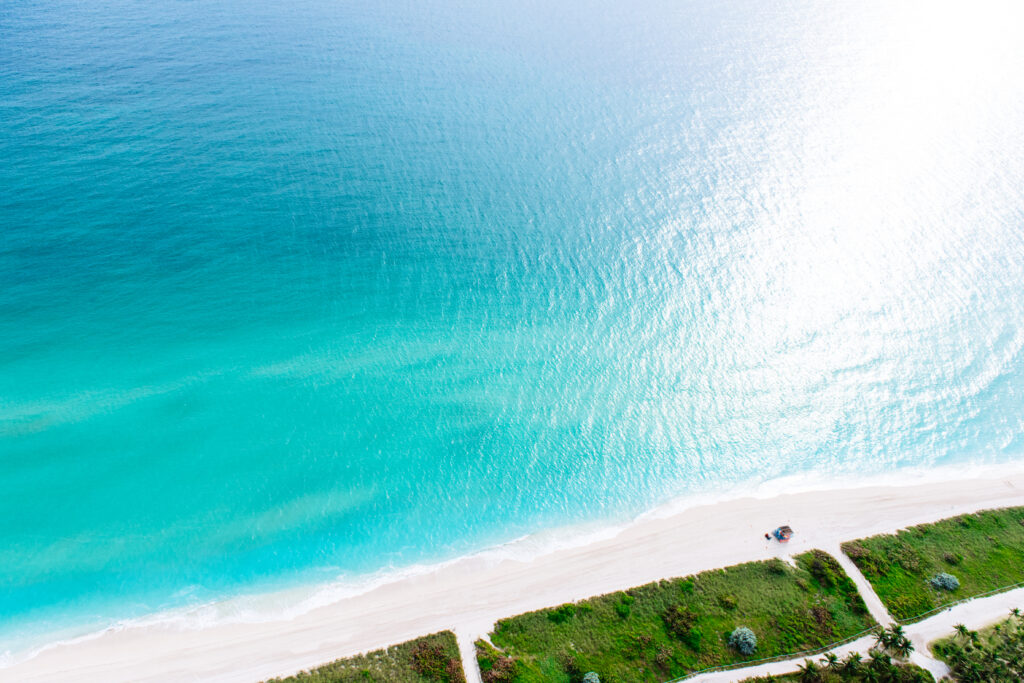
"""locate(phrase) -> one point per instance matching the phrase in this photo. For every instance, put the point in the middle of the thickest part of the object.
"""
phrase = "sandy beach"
(470, 594)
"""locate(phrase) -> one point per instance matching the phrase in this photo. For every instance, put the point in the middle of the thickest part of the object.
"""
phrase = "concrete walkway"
(871, 599)
(920, 656)
(467, 650)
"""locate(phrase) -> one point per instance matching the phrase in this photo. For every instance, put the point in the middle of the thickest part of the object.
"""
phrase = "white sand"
(470, 594)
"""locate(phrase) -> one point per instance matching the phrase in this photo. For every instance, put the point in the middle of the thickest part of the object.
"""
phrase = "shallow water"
(315, 289)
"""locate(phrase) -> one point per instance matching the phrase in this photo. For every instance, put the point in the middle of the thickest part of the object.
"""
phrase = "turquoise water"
(294, 291)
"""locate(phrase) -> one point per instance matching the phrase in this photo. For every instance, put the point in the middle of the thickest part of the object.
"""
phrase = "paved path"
(467, 650)
(921, 656)
(871, 599)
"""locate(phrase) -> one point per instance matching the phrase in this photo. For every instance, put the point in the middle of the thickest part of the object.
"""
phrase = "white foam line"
(633, 560)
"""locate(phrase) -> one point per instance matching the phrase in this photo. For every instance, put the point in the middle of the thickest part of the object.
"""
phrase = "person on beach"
(768, 537)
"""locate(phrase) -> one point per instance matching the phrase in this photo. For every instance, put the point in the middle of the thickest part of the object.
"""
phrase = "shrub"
(622, 607)
(727, 601)
(591, 677)
(503, 670)
(638, 643)
(952, 558)
(906, 557)
(865, 560)
(429, 660)
(454, 670)
(562, 613)
(744, 640)
(946, 582)
(823, 617)
(571, 667)
(825, 568)
(692, 639)
(679, 620)
(855, 550)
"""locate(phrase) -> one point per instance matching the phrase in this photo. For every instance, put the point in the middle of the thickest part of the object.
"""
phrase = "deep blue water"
(297, 290)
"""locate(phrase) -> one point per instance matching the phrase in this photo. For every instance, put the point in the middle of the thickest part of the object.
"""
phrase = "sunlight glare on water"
(319, 289)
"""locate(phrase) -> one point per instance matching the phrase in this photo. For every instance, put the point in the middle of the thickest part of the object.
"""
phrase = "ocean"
(302, 292)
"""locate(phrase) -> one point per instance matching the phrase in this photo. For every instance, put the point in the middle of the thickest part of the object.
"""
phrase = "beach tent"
(782, 534)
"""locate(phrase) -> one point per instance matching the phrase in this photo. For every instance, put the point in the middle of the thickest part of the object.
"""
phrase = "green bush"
(494, 666)
(622, 607)
(429, 660)
(744, 640)
(946, 582)
(679, 620)
(562, 613)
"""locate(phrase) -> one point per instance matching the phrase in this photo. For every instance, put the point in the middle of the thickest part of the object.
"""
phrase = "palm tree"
(903, 647)
(831, 661)
(879, 660)
(852, 663)
(870, 675)
(961, 630)
(899, 644)
(882, 639)
(1015, 612)
(809, 672)
(956, 655)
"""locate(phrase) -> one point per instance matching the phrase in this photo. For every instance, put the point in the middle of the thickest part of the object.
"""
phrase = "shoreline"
(291, 601)
(469, 593)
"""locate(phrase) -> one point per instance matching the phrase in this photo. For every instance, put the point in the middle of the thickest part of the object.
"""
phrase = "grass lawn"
(984, 551)
(425, 660)
(666, 629)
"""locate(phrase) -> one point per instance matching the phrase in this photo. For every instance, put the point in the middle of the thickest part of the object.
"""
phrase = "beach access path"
(470, 594)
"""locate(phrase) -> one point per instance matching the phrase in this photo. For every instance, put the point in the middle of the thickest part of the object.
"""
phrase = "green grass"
(428, 659)
(666, 629)
(985, 551)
